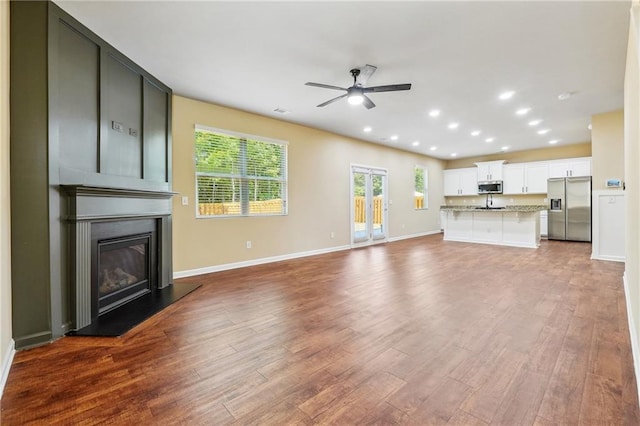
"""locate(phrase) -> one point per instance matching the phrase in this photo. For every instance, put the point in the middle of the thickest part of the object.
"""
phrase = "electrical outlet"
(185, 201)
(332, 235)
(248, 244)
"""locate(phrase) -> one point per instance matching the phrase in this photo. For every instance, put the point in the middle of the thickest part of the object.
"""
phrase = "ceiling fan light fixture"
(355, 99)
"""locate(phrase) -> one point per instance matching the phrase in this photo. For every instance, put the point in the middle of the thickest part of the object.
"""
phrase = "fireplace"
(120, 249)
(123, 262)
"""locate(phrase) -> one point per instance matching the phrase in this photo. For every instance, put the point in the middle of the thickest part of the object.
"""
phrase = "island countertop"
(513, 208)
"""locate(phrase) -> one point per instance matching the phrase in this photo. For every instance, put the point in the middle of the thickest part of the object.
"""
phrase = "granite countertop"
(514, 208)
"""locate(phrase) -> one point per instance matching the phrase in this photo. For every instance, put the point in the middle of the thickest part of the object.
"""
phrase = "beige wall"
(319, 200)
(6, 341)
(607, 148)
(566, 151)
(632, 178)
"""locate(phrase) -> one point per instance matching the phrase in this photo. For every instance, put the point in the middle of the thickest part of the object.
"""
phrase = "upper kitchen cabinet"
(526, 178)
(570, 167)
(460, 182)
(490, 170)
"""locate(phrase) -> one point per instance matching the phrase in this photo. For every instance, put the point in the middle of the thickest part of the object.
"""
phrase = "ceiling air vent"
(281, 111)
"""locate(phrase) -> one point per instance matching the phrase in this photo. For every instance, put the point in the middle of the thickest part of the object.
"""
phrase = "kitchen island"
(515, 226)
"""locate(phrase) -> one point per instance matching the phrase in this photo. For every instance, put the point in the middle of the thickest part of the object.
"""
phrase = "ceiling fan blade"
(330, 101)
(324, 86)
(387, 88)
(368, 103)
(365, 73)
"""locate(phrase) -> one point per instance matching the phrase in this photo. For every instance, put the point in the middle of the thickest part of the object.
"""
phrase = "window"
(239, 175)
(421, 188)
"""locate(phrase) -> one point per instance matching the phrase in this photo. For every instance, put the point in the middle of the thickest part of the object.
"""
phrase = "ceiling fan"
(356, 94)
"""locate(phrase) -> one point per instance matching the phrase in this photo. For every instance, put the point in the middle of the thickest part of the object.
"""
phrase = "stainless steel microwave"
(490, 187)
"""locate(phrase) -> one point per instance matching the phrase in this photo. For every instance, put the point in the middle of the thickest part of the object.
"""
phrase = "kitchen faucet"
(487, 203)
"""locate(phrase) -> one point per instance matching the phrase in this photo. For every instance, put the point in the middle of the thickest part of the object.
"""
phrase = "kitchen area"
(484, 204)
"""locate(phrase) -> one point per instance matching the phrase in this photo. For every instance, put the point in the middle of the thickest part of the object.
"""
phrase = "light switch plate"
(118, 127)
(185, 201)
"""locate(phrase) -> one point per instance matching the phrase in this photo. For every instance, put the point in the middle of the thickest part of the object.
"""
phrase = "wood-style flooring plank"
(414, 332)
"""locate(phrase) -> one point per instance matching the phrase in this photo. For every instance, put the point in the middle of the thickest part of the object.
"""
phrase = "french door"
(368, 205)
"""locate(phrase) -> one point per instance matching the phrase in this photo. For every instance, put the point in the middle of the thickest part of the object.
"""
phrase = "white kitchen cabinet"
(525, 178)
(490, 170)
(460, 182)
(544, 224)
(513, 179)
(570, 167)
(536, 175)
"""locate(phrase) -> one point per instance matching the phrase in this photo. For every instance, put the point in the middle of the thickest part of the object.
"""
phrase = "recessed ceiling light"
(433, 148)
(523, 111)
(506, 95)
(394, 138)
(554, 141)
(535, 122)
(564, 96)
(504, 148)
(415, 143)
(543, 131)
(367, 129)
(454, 155)
(589, 126)
(453, 125)
(434, 113)
(475, 133)
(489, 140)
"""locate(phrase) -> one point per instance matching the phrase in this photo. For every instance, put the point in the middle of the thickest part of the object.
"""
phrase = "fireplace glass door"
(123, 270)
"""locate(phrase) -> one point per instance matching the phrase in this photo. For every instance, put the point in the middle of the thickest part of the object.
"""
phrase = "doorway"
(368, 205)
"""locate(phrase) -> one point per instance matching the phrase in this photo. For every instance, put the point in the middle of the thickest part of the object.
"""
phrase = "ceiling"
(459, 56)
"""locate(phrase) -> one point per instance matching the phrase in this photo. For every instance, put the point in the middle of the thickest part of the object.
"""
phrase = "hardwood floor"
(419, 331)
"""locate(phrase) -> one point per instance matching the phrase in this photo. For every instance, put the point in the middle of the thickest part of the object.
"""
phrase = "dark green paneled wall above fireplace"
(81, 114)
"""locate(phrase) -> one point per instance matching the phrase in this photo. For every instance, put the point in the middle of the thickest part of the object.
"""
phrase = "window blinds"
(239, 174)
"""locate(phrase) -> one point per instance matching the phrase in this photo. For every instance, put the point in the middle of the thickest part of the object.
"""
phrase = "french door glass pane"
(378, 182)
(360, 231)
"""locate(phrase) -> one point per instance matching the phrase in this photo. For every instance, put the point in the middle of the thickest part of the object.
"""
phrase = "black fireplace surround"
(120, 248)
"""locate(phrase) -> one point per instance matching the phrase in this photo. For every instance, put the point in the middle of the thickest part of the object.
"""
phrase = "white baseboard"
(421, 234)
(253, 262)
(6, 365)
(632, 334)
(608, 258)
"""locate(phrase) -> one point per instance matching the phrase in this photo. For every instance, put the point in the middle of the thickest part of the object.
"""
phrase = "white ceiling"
(459, 56)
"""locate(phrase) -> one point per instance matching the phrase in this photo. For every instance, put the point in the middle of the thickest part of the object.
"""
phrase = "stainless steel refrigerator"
(569, 208)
